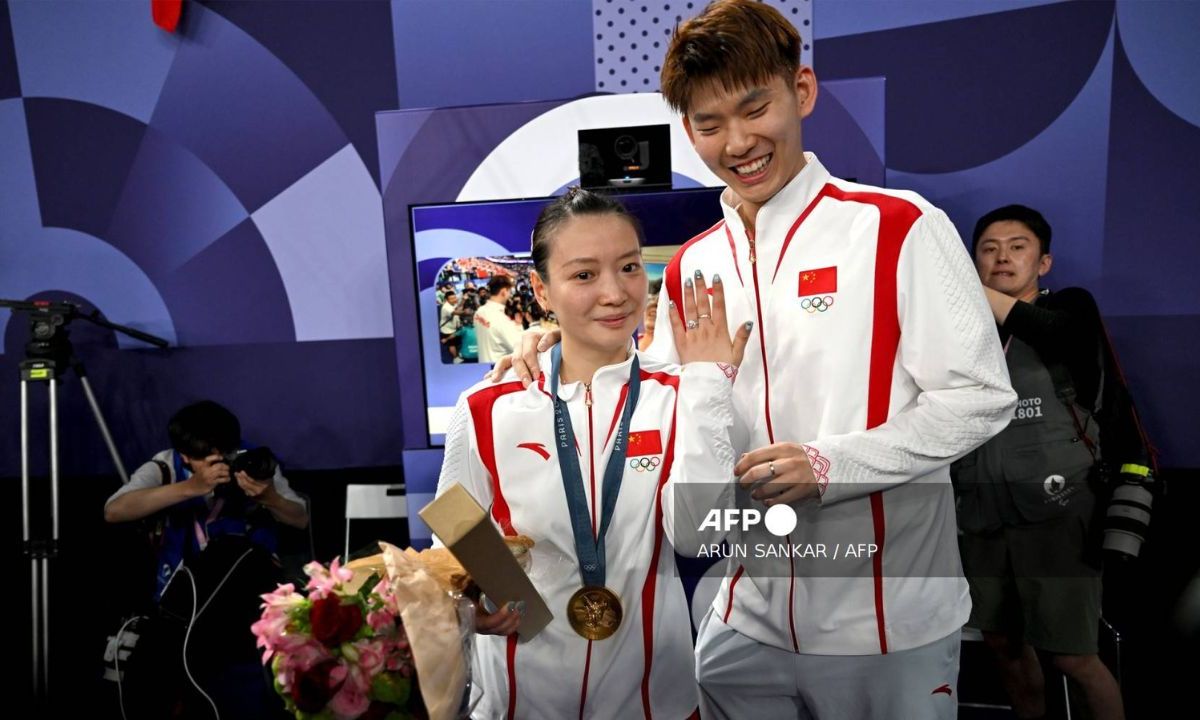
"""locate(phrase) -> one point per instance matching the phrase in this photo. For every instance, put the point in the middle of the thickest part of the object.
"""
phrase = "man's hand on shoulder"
(525, 360)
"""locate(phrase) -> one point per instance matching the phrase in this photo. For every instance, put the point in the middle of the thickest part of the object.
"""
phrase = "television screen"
(459, 247)
(625, 157)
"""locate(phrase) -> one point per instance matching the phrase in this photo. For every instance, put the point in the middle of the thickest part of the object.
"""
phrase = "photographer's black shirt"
(1064, 328)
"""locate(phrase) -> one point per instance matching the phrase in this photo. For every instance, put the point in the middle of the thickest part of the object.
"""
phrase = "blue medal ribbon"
(589, 547)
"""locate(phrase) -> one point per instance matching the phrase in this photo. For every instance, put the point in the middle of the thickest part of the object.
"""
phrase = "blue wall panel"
(133, 159)
(472, 52)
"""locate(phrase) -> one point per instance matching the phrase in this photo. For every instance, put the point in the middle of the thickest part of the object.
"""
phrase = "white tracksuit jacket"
(895, 373)
(501, 448)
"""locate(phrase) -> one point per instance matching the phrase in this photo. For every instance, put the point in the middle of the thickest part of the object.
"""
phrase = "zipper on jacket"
(587, 400)
(762, 340)
(762, 336)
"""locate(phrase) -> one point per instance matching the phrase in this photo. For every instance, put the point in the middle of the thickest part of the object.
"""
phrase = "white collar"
(600, 379)
(787, 203)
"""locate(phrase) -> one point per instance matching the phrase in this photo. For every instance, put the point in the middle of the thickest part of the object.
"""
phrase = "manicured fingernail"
(749, 325)
(687, 282)
(511, 606)
(520, 607)
(699, 274)
(716, 278)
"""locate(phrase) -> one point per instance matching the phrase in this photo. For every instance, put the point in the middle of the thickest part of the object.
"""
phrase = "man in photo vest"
(1025, 503)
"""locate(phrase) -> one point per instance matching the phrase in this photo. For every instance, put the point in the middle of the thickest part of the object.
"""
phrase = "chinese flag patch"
(819, 281)
(644, 442)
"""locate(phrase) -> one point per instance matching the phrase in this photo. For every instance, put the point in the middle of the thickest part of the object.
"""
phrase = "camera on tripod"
(48, 357)
(1128, 518)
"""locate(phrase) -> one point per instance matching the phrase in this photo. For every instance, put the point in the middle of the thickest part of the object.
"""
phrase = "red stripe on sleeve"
(481, 404)
(896, 218)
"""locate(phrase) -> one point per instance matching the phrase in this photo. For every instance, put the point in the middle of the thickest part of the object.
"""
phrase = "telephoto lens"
(1128, 518)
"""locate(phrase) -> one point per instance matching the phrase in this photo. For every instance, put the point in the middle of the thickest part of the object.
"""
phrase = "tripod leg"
(91, 398)
(45, 628)
(53, 462)
(51, 548)
(34, 576)
(25, 462)
(35, 583)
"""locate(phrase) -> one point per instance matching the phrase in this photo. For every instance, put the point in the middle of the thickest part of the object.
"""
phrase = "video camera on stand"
(48, 356)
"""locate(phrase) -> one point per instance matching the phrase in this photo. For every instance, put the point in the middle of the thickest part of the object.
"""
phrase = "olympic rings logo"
(644, 464)
(817, 304)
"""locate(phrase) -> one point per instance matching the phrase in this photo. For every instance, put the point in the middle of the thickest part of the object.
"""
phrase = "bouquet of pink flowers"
(341, 654)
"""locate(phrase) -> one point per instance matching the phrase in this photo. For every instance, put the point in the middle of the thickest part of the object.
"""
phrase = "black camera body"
(259, 463)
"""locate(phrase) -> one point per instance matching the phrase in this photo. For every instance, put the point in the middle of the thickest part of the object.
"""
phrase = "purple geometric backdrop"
(221, 187)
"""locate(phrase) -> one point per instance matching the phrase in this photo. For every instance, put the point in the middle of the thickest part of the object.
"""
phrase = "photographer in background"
(1030, 498)
(450, 321)
(193, 486)
(215, 541)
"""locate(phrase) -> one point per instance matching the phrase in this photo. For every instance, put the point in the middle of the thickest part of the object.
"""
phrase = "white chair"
(373, 502)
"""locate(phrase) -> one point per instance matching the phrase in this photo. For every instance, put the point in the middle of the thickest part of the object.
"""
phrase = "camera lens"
(258, 463)
(1128, 519)
(625, 146)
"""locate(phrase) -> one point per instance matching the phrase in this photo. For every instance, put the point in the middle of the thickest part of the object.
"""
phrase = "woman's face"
(597, 286)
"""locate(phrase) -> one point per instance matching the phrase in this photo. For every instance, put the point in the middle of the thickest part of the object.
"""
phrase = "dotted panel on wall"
(631, 37)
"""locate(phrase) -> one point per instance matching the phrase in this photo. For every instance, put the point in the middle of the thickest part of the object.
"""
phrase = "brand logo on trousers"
(944, 688)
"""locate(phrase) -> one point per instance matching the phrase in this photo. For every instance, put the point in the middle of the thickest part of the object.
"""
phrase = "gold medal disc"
(594, 612)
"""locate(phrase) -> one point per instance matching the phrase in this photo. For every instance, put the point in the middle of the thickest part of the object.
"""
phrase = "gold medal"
(594, 612)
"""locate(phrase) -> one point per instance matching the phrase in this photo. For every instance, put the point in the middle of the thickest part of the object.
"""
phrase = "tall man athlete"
(874, 366)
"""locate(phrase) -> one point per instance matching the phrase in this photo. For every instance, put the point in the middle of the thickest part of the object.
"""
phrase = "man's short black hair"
(499, 283)
(204, 427)
(1027, 216)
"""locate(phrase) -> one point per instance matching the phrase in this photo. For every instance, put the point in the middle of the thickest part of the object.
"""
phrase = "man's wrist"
(270, 497)
(193, 487)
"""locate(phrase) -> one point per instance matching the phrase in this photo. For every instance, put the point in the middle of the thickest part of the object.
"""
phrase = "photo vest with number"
(1038, 467)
